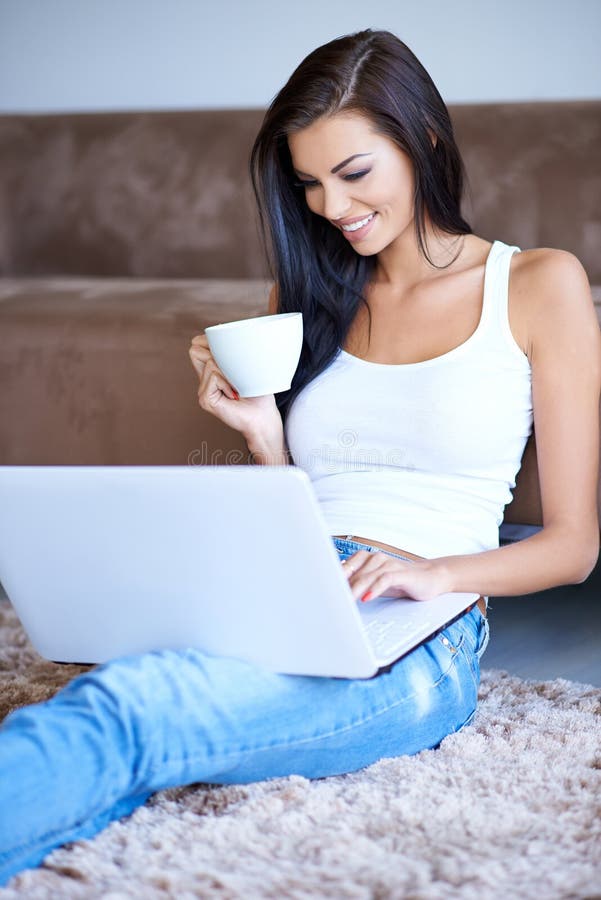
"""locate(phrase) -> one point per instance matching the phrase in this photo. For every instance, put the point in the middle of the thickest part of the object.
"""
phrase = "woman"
(428, 356)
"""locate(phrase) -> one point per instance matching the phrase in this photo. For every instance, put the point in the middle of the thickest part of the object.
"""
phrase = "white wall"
(78, 55)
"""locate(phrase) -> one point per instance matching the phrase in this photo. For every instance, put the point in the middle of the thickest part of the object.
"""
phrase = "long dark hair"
(316, 270)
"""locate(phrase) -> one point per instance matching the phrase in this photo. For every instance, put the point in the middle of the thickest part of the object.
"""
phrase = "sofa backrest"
(167, 194)
(162, 194)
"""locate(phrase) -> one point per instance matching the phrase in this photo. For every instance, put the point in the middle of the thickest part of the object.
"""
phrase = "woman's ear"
(433, 137)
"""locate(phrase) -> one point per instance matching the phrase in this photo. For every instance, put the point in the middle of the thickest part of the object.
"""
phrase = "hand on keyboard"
(376, 574)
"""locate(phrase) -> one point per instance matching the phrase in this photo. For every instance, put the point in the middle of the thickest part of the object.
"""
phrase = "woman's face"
(378, 184)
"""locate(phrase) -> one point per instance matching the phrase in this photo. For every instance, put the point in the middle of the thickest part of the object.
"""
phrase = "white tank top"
(422, 455)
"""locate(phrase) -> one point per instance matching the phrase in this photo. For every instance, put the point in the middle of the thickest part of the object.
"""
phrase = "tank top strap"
(495, 312)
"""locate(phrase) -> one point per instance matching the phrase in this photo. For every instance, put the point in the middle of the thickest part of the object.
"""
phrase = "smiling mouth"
(355, 226)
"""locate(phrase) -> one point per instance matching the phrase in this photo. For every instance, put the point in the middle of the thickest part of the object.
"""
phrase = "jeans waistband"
(346, 545)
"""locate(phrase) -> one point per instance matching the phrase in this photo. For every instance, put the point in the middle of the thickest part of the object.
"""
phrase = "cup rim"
(225, 325)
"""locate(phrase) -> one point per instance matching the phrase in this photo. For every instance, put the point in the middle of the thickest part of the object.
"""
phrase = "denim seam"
(471, 670)
(473, 660)
(50, 836)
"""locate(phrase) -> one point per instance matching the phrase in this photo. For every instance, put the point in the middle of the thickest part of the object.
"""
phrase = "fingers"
(213, 386)
(358, 559)
(371, 573)
(199, 352)
(360, 568)
(355, 562)
(200, 340)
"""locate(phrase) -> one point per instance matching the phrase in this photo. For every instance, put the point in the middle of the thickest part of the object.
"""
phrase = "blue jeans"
(121, 731)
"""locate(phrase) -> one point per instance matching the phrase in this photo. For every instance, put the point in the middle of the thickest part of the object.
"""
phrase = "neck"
(402, 265)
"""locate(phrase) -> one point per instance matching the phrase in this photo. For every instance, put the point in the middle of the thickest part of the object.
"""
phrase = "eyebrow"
(339, 166)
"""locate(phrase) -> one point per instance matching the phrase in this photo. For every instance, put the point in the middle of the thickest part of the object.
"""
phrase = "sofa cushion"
(97, 372)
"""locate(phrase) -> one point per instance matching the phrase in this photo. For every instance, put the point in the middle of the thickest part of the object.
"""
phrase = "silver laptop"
(104, 561)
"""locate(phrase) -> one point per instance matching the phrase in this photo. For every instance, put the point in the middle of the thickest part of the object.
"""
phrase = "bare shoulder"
(549, 293)
(542, 266)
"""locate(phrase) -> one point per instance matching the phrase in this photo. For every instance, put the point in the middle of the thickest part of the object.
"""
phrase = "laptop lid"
(105, 561)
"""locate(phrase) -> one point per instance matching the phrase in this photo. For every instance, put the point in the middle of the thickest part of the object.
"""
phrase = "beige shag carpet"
(509, 807)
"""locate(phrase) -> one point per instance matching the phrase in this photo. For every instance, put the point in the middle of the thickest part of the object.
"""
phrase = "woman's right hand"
(249, 415)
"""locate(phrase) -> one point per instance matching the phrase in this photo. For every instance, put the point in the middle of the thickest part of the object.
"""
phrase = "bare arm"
(565, 355)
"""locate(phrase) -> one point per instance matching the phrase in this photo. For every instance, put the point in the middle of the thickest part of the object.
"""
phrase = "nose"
(336, 202)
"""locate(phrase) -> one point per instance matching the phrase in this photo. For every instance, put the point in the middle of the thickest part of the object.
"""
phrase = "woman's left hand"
(373, 574)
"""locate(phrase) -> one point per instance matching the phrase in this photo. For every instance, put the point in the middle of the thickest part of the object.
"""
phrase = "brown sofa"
(124, 234)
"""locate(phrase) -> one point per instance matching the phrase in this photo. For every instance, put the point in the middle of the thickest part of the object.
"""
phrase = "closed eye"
(353, 177)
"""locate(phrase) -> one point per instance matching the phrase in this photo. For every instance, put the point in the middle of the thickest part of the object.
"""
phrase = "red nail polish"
(236, 394)
(367, 596)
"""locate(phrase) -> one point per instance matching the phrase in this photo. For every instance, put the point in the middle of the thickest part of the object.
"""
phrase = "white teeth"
(357, 225)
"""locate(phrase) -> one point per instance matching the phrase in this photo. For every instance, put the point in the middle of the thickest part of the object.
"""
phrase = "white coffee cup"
(258, 356)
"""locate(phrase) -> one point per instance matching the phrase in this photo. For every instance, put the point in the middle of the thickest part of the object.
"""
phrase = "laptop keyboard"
(386, 635)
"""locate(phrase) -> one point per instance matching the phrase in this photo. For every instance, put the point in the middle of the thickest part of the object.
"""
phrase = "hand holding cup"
(220, 391)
